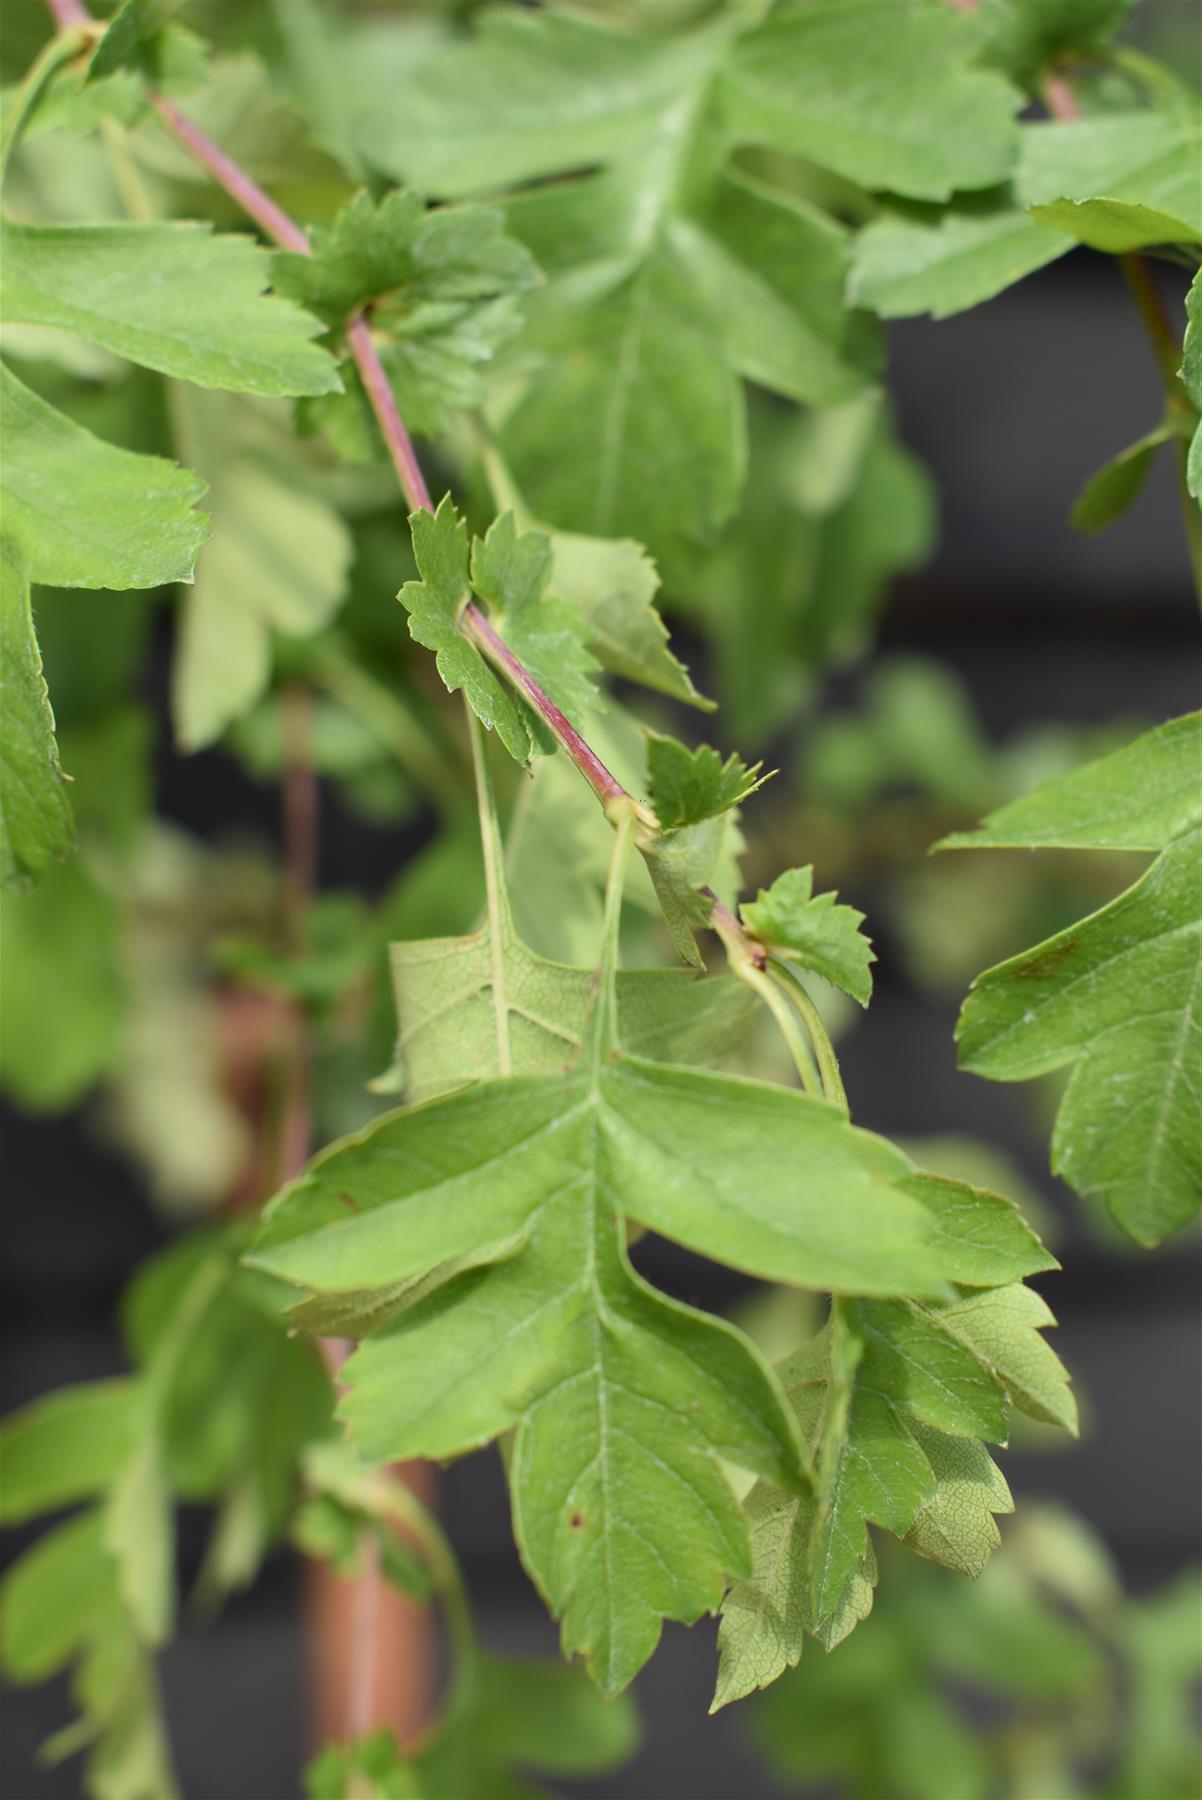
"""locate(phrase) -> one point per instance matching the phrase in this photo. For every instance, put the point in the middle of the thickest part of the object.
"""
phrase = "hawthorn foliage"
(621, 270)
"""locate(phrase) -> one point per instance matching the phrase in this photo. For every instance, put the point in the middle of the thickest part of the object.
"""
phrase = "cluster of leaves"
(1045, 1645)
(602, 235)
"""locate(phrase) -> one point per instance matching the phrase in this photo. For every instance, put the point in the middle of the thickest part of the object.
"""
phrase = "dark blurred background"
(1011, 406)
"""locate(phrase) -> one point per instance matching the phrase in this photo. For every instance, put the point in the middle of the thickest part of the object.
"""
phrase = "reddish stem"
(1059, 97)
(383, 403)
(605, 785)
(68, 15)
(236, 182)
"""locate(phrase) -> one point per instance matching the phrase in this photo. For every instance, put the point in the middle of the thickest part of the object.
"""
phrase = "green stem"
(786, 1020)
(60, 50)
(601, 1032)
(824, 1050)
(500, 918)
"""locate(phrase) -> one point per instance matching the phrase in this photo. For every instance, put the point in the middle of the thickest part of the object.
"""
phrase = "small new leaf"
(509, 572)
(688, 786)
(814, 930)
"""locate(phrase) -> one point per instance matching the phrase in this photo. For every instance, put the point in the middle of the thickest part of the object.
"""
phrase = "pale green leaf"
(956, 1526)
(885, 95)
(62, 992)
(36, 825)
(924, 259)
(457, 998)
(278, 561)
(1147, 160)
(660, 289)
(813, 930)
(1191, 378)
(1107, 495)
(51, 1596)
(170, 296)
(139, 1534)
(613, 581)
(69, 1445)
(84, 514)
(1115, 226)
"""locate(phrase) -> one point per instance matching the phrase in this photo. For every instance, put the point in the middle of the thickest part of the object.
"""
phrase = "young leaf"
(434, 604)
(941, 260)
(511, 571)
(278, 561)
(170, 296)
(84, 514)
(35, 815)
(1114, 996)
(442, 291)
(52, 1595)
(815, 931)
(688, 786)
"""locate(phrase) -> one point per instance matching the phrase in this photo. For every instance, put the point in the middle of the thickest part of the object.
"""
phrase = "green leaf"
(62, 995)
(456, 997)
(128, 36)
(1145, 160)
(51, 1596)
(1028, 36)
(667, 274)
(169, 296)
(1137, 798)
(1191, 378)
(892, 1398)
(278, 561)
(1107, 495)
(813, 930)
(923, 259)
(396, 254)
(370, 1766)
(1115, 226)
(553, 1333)
(84, 514)
(36, 825)
(511, 571)
(441, 290)
(688, 786)
(434, 604)
(67, 1446)
(885, 96)
(139, 1534)
(613, 581)
(940, 260)
(1112, 997)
